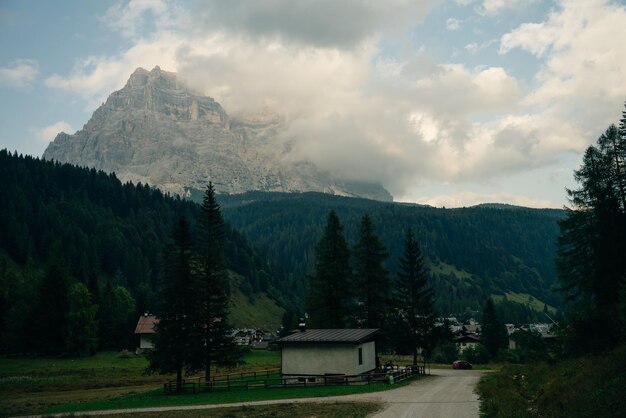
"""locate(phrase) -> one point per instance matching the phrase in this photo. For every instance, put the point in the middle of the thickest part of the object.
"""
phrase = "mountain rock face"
(156, 131)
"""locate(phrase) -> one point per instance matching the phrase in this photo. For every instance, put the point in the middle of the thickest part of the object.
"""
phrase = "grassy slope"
(524, 299)
(441, 268)
(585, 387)
(260, 312)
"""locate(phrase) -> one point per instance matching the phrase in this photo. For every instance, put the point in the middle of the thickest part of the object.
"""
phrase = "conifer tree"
(82, 326)
(177, 342)
(214, 290)
(329, 297)
(591, 263)
(372, 282)
(493, 333)
(413, 299)
(49, 321)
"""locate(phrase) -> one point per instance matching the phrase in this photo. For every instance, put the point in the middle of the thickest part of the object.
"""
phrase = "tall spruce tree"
(329, 297)
(413, 299)
(372, 281)
(177, 341)
(50, 322)
(591, 263)
(493, 333)
(215, 288)
(81, 338)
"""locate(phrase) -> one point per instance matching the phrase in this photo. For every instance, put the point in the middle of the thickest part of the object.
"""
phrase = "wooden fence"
(271, 378)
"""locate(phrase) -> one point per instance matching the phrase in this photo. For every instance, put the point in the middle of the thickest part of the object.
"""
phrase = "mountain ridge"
(157, 131)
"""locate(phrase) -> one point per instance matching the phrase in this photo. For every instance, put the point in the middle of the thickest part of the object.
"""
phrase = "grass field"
(108, 381)
(157, 398)
(28, 384)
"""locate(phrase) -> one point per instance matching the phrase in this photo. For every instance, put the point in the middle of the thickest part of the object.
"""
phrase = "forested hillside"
(472, 252)
(104, 234)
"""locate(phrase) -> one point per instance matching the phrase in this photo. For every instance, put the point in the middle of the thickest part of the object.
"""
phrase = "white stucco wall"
(369, 357)
(146, 341)
(319, 359)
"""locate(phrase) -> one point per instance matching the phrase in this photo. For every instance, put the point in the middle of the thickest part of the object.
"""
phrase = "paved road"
(446, 393)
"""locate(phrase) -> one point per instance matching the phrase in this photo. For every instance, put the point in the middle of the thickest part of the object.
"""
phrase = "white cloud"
(48, 133)
(474, 47)
(94, 78)
(453, 24)
(462, 199)
(581, 82)
(19, 73)
(454, 90)
(355, 110)
(494, 7)
(320, 23)
(132, 18)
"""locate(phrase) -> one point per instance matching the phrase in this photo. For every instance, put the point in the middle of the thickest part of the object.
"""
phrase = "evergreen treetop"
(372, 281)
(329, 300)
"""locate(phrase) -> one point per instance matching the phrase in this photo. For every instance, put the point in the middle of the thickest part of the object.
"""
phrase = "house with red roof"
(145, 330)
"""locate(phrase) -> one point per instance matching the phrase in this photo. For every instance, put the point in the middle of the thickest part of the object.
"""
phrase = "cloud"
(474, 47)
(131, 19)
(582, 79)
(355, 108)
(95, 77)
(19, 73)
(453, 24)
(494, 7)
(48, 133)
(470, 199)
(320, 23)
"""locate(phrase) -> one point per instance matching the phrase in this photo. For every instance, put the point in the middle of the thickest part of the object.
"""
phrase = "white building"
(145, 330)
(318, 352)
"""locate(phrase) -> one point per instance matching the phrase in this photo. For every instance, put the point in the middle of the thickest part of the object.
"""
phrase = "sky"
(444, 102)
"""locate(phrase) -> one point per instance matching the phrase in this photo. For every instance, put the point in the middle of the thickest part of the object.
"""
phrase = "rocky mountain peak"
(155, 130)
(141, 78)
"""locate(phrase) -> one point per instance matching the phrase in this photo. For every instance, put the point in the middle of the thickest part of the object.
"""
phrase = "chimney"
(302, 325)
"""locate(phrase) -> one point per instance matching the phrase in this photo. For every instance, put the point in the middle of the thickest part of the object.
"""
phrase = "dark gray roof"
(352, 336)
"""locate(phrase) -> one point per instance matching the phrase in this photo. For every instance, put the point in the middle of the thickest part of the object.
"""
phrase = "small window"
(360, 356)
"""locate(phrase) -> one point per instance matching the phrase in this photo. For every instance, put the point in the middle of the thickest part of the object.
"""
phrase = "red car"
(461, 364)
